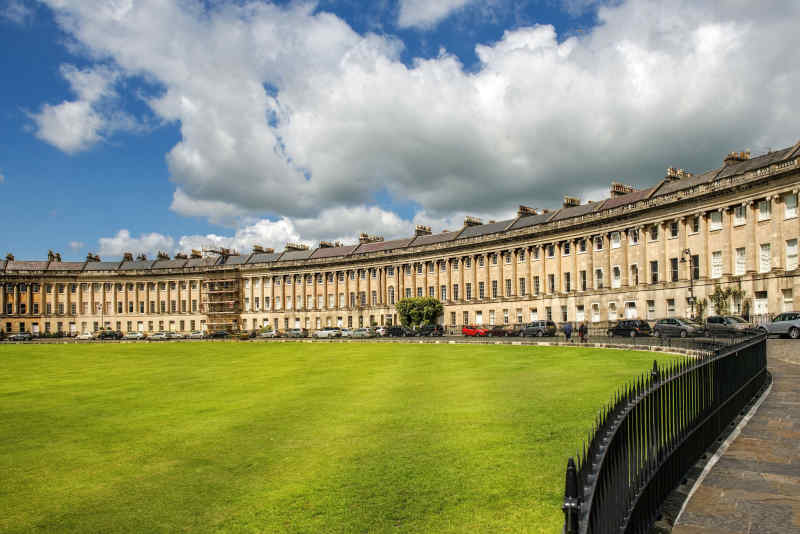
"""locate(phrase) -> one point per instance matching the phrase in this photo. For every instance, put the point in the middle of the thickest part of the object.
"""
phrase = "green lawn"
(285, 437)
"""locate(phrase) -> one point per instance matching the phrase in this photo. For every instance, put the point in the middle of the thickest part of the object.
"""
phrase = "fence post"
(571, 503)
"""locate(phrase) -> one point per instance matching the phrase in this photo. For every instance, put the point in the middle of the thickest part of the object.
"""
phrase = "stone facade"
(646, 254)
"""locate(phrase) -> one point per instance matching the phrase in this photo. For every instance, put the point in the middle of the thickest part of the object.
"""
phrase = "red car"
(473, 331)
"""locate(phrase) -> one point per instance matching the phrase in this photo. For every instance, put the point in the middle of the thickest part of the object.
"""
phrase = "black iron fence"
(646, 440)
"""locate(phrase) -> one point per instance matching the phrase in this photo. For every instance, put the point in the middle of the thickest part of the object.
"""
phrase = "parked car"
(381, 331)
(271, 334)
(363, 333)
(429, 330)
(134, 335)
(219, 334)
(21, 336)
(785, 324)
(397, 331)
(675, 327)
(297, 332)
(475, 331)
(174, 335)
(630, 328)
(347, 332)
(85, 336)
(108, 334)
(726, 325)
(538, 329)
(197, 334)
(327, 333)
(158, 336)
(500, 331)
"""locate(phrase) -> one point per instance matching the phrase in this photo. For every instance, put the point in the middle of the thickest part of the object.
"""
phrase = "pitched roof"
(530, 220)
(101, 266)
(202, 262)
(741, 167)
(264, 257)
(26, 266)
(138, 265)
(576, 211)
(378, 246)
(433, 239)
(169, 264)
(629, 198)
(235, 260)
(333, 252)
(65, 266)
(485, 229)
(292, 255)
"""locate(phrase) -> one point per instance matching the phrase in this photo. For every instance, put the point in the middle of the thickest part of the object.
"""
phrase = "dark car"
(109, 334)
(219, 334)
(674, 327)
(500, 331)
(430, 330)
(727, 325)
(297, 332)
(21, 336)
(538, 329)
(398, 331)
(630, 328)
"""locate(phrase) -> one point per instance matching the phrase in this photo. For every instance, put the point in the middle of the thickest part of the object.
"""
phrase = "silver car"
(785, 324)
(158, 336)
(363, 333)
(328, 332)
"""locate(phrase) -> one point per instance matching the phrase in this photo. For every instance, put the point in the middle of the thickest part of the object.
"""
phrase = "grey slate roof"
(686, 183)
(433, 239)
(202, 262)
(333, 252)
(236, 260)
(485, 229)
(169, 264)
(138, 265)
(630, 198)
(26, 266)
(65, 266)
(264, 257)
(102, 266)
(378, 246)
(741, 167)
(293, 255)
(530, 220)
(576, 211)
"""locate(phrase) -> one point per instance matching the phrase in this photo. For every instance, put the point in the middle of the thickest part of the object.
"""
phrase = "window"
(567, 282)
(580, 313)
(494, 288)
(616, 276)
(194, 303)
(419, 268)
(583, 280)
(467, 263)
(481, 293)
(654, 272)
(616, 240)
(791, 254)
(715, 221)
(455, 291)
(598, 279)
(455, 264)
(740, 261)
(468, 290)
(536, 286)
(673, 268)
(443, 293)
(581, 245)
(563, 313)
(739, 215)
(670, 307)
(548, 312)
(788, 301)
(465, 317)
(565, 248)
(519, 315)
(595, 312)
(432, 292)
(551, 251)
(389, 271)
(765, 261)
(522, 287)
(651, 309)
(535, 252)
(612, 311)
(551, 283)
(521, 256)
(695, 224)
(716, 264)
(764, 210)
(508, 287)
(374, 298)
(633, 236)
(694, 263)
(654, 232)
(491, 317)
(453, 318)
(598, 243)
(790, 206)
(508, 257)
(673, 229)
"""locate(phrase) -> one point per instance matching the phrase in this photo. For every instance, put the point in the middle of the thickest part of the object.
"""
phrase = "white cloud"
(426, 14)
(17, 12)
(653, 85)
(76, 125)
(124, 242)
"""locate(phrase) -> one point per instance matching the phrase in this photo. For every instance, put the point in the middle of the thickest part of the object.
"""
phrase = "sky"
(165, 125)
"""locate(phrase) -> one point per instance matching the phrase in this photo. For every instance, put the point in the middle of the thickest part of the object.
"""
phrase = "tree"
(720, 299)
(419, 311)
(701, 308)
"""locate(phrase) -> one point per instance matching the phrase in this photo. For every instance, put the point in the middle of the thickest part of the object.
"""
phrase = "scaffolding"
(221, 299)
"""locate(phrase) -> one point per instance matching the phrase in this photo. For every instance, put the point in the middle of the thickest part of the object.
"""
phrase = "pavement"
(755, 485)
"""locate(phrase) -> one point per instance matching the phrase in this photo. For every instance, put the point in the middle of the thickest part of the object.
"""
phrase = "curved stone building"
(648, 253)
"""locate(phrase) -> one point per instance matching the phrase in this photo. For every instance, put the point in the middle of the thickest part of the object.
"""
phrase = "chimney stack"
(296, 246)
(472, 221)
(196, 254)
(525, 210)
(162, 255)
(92, 257)
(127, 256)
(141, 257)
(570, 202)
(422, 230)
(181, 256)
(366, 238)
(257, 248)
(10, 257)
(325, 244)
(617, 189)
(51, 256)
(733, 157)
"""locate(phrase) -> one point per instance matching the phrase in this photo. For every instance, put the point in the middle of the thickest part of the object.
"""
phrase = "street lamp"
(684, 254)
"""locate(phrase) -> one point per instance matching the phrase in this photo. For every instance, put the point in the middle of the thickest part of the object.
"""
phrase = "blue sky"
(142, 127)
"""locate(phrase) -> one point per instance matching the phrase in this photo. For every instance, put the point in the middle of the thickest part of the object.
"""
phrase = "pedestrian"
(582, 330)
(568, 331)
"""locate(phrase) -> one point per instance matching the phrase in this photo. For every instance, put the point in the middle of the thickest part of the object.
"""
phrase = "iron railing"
(645, 441)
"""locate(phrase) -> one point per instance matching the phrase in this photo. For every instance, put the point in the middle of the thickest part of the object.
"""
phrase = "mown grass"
(285, 437)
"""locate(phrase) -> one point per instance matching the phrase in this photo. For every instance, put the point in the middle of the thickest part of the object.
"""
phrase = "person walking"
(582, 330)
(568, 331)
